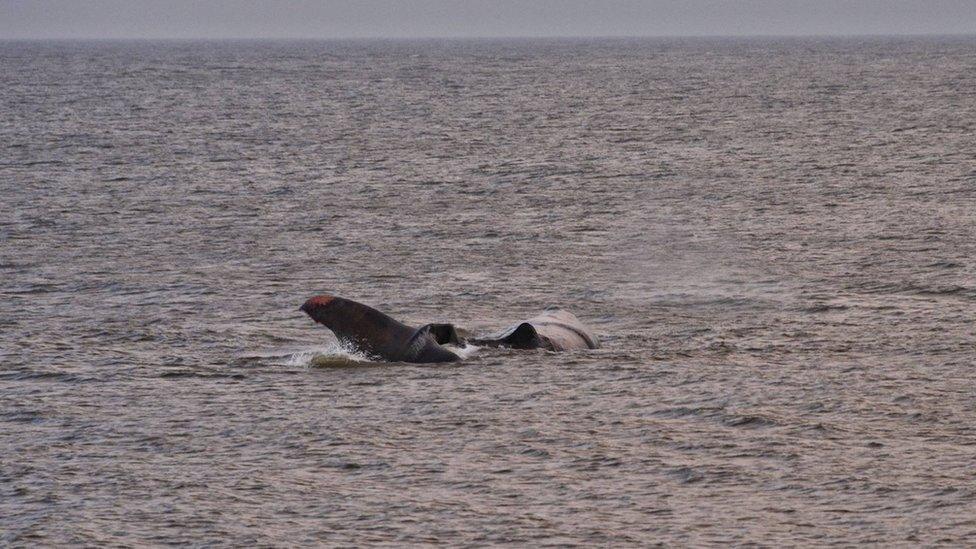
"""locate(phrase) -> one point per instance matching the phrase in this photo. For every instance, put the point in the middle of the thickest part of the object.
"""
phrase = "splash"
(335, 355)
(332, 355)
(463, 352)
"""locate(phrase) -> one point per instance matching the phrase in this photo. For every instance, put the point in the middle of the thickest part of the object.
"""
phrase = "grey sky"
(476, 18)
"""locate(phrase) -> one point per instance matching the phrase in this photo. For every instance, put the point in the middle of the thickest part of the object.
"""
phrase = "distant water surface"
(775, 240)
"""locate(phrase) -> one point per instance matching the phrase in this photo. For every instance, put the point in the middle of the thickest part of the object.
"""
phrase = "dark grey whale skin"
(381, 336)
(375, 333)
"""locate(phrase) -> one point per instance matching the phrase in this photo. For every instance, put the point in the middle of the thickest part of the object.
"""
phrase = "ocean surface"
(775, 240)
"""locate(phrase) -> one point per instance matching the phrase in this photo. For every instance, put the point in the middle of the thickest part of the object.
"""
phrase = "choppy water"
(774, 239)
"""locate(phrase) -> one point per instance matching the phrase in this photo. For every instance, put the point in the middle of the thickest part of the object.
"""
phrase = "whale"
(553, 330)
(380, 336)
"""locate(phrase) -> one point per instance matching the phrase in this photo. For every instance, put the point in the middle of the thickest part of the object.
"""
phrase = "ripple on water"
(785, 297)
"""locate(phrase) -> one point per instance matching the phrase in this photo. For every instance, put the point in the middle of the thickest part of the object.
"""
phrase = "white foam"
(333, 354)
(464, 352)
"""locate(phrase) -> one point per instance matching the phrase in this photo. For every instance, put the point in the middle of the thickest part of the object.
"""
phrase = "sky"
(327, 19)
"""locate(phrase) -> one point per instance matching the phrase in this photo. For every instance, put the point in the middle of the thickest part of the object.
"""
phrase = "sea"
(773, 238)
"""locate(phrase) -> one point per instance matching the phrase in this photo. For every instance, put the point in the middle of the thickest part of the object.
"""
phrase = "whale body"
(380, 336)
(553, 330)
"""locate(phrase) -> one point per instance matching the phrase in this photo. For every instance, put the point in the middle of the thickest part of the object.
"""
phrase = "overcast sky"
(477, 18)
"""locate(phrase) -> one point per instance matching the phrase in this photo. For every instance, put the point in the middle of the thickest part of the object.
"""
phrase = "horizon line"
(476, 37)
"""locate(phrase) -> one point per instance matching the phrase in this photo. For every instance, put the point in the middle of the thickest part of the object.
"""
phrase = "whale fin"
(520, 336)
(424, 347)
(555, 329)
(375, 333)
(443, 334)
